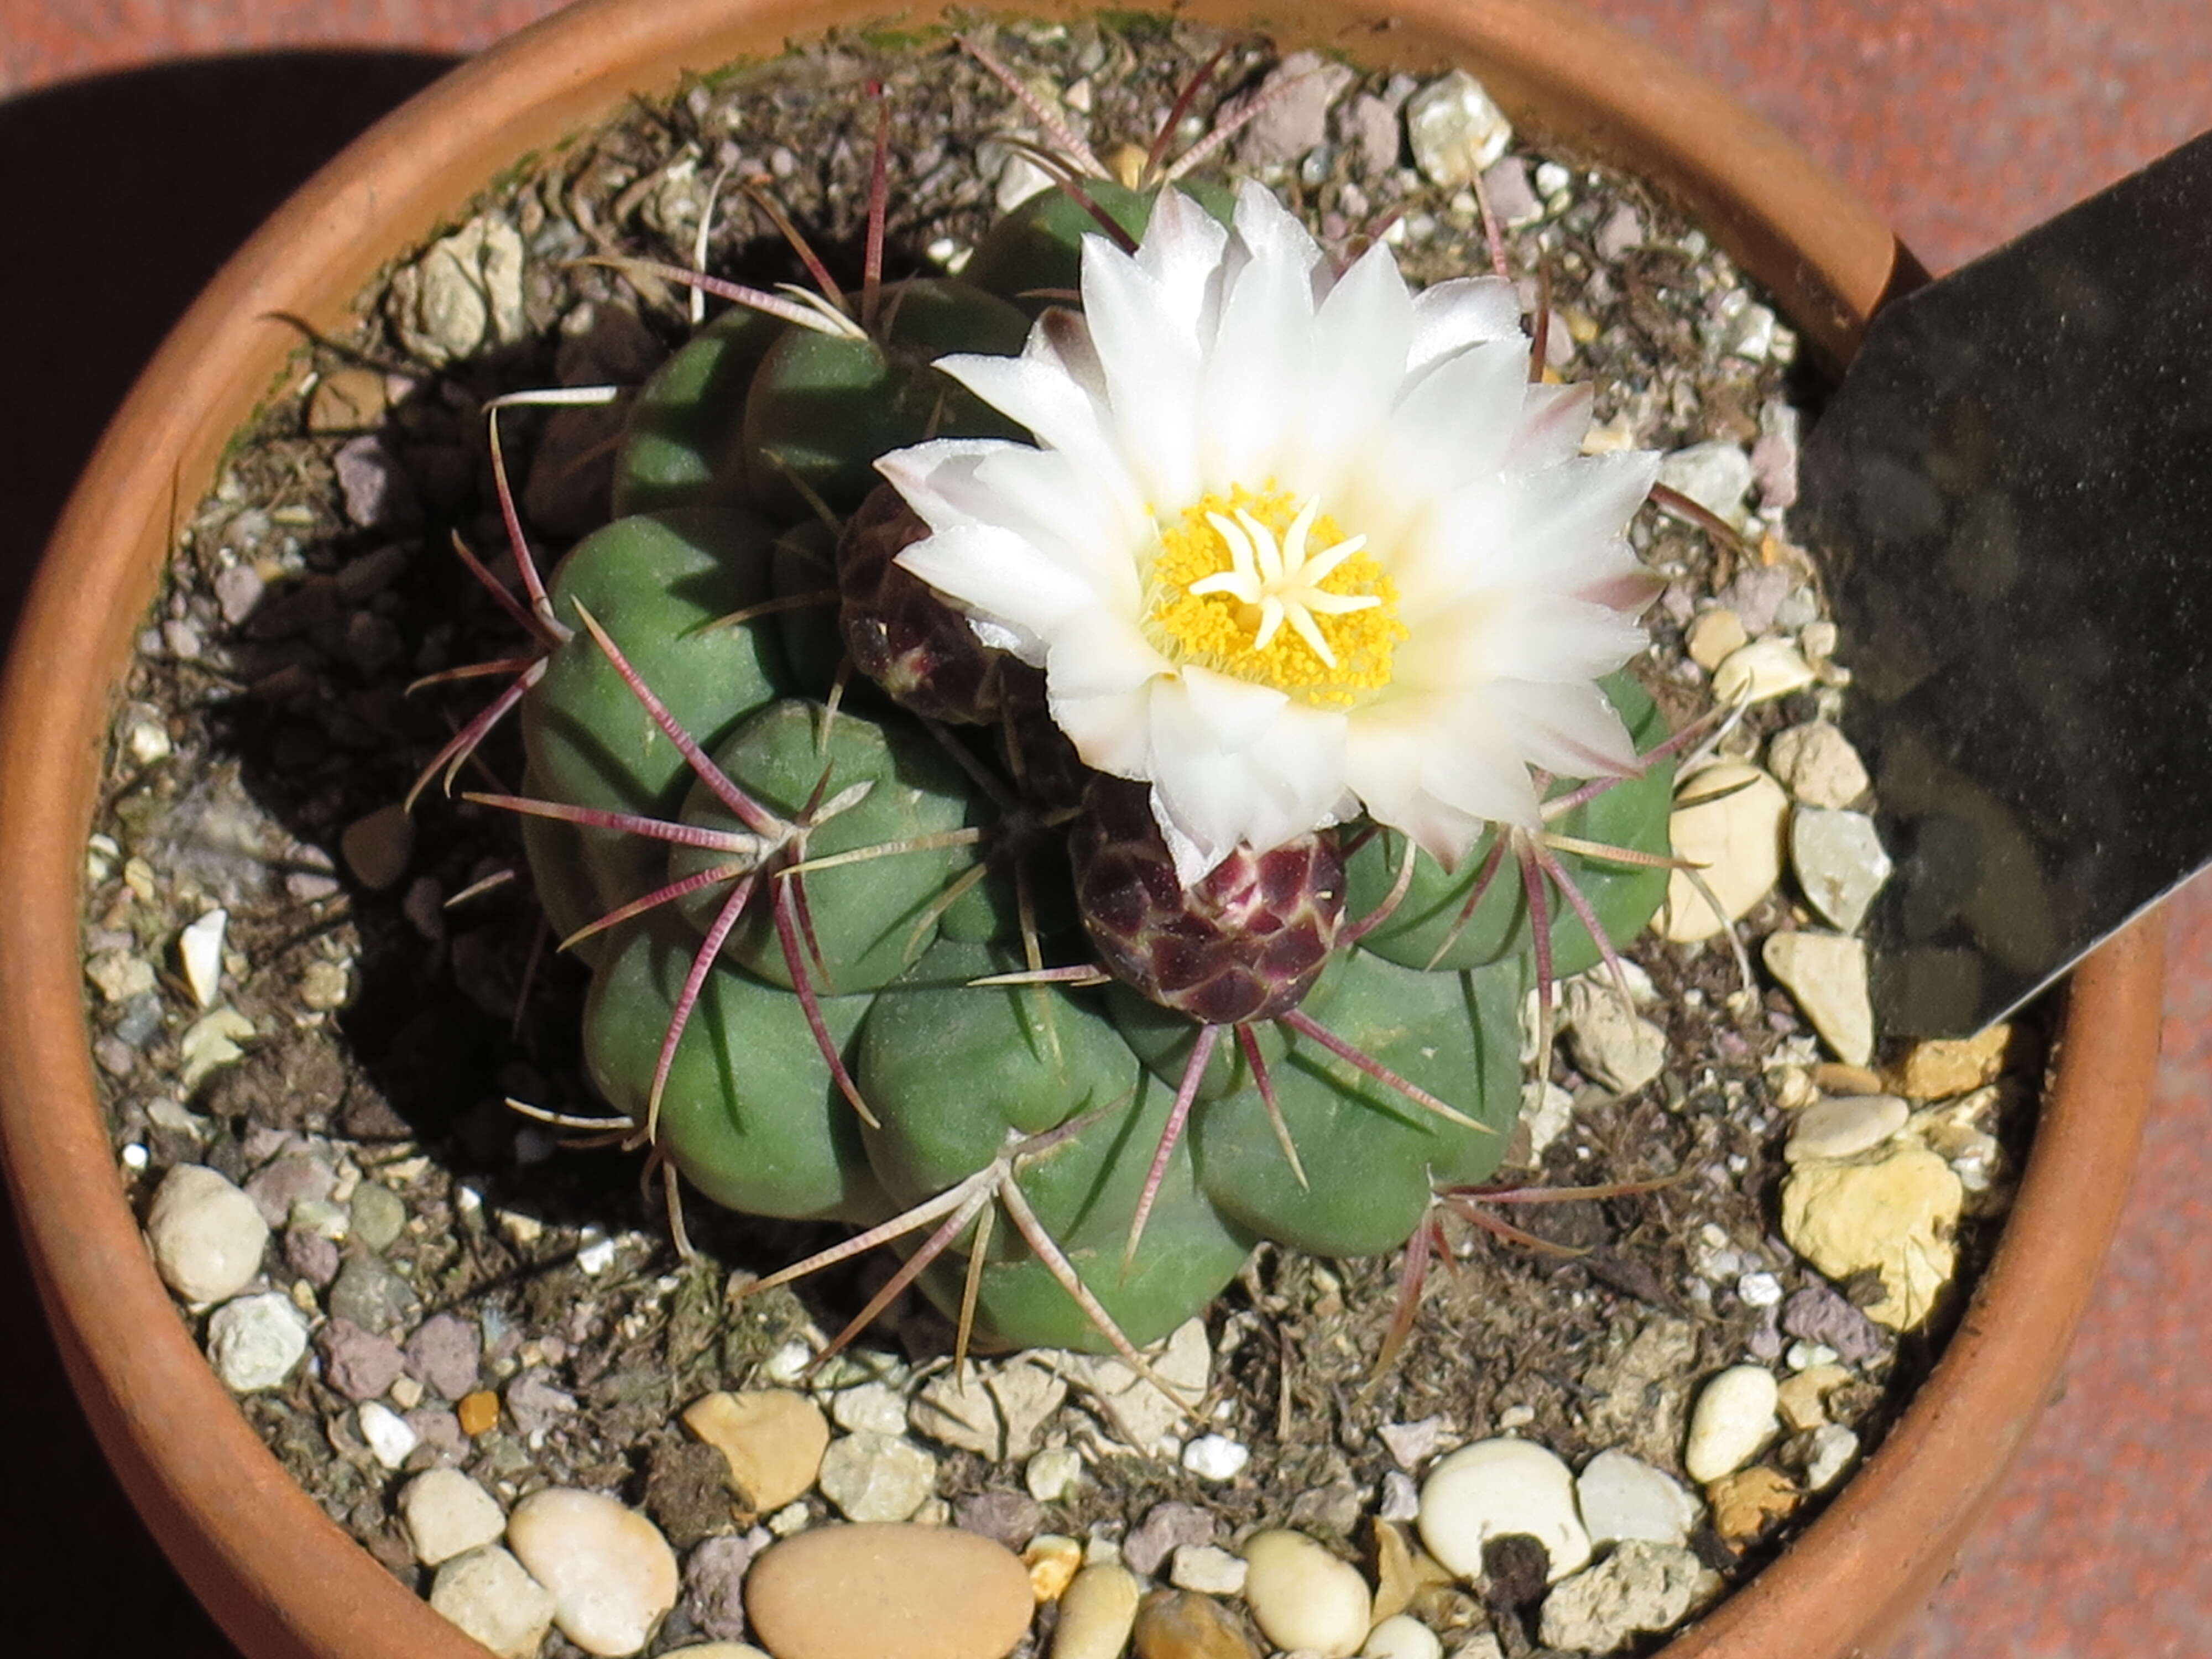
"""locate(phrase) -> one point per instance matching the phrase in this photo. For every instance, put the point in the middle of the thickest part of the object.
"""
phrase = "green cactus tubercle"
(835, 1058)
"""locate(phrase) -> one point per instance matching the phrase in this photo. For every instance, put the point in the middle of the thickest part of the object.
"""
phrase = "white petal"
(1362, 332)
(1383, 766)
(1452, 424)
(1099, 681)
(992, 574)
(1267, 230)
(1182, 252)
(1152, 368)
(1044, 399)
(1235, 711)
(1247, 396)
(1553, 420)
(1463, 312)
(1570, 731)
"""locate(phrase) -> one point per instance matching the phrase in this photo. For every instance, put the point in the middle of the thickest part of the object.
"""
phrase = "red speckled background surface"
(138, 146)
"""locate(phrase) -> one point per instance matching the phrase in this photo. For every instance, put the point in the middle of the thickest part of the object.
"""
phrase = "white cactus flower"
(1291, 546)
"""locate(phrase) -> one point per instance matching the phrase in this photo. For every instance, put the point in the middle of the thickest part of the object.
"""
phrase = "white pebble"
(1832, 1448)
(1623, 1496)
(1401, 1636)
(595, 1257)
(207, 1235)
(612, 1573)
(1759, 1289)
(1303, 1598)
(199, 948)
(1052, 1474)
(1825, 974)
(1614, 1044)
(446, 1514)
(1729, 818)
(1400, 1500)
(1844, 1127)
(1818, 764)
(390, 1440)
(1839, 862)
(1208, 1569)
(254, 1341)
(1732, 1419)
(876, 1477)
(1496, 1487)
(788, 1362)
(1716, 475)
(1759, 672)
(1216, 1457)
(487, 1594)
(1454, 130)
(876, 1406)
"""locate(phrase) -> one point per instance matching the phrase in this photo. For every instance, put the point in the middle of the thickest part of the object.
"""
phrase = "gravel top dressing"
(478, 1346)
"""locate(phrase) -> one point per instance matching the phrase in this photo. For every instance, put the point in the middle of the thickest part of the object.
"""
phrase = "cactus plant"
(1076, 855)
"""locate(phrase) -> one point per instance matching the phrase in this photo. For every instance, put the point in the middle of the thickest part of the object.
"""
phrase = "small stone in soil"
(1895, 1216)
(1826, 974)
(1455, 130)
(612, 1573)
(1939, 1068)
(360, 1365)
(1097, 1614)
(1011, 1519)
(1839, 862)
(1732, 1419)
(206, 1234)
(876, 1477)
(1728, 818)
(773, 1440)
(1818, 1315)
(373, 1295)
(1623, 1497)
(1497, 1488)
(379, 1215)
(1817, 763)
(1303, 1597)
(386, 1433)
(1052, 1474)
(687, 1492)
(1641, 1586)
(254, 1341)
(444, 1354)
(1760, 672)
(535, 1401)
(376, 848)
(1208, 1567)
(1832, 1447)
(487, 1594)
(1844, 1127)
(714, 1586)
(1746, 1503)
(446, 1514)
(1052, 1560)
(887, 1592)
(1401, 1636)
(1183, 1624)
(1166, 1528)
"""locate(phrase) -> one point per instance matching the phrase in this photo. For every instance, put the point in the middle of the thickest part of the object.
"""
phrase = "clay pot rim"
(280, 1577)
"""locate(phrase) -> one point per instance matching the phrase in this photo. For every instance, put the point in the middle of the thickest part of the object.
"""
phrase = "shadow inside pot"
(124, 194)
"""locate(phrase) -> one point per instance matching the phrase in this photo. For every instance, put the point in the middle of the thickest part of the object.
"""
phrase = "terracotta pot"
(283, 1580)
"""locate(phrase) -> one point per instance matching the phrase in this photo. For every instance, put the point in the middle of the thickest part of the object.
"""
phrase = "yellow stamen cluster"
(1265, 587)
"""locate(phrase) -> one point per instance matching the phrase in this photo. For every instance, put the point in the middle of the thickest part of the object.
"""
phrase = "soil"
(268, 714)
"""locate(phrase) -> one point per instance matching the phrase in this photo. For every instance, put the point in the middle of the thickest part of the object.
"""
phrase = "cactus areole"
(1038, 784)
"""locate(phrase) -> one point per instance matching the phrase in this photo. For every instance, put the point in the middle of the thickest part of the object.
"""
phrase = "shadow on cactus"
(1129, 829)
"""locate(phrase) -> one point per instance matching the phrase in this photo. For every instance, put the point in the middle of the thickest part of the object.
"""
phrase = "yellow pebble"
(478, 1411)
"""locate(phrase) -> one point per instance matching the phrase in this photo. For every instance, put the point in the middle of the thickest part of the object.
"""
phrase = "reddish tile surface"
(1963, 121)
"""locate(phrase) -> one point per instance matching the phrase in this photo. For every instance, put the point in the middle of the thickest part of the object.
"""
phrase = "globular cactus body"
(884, 951)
